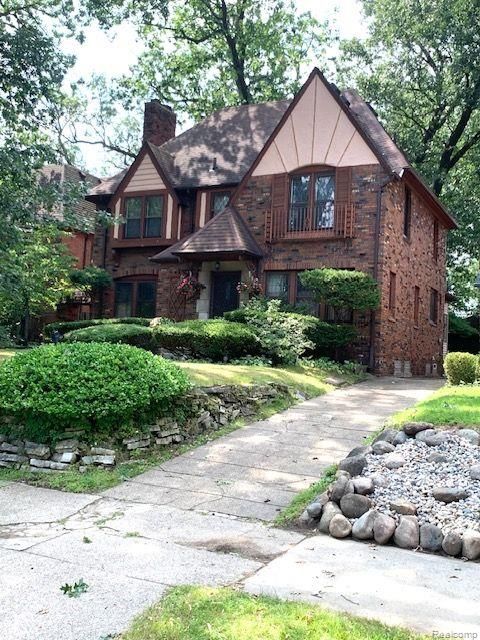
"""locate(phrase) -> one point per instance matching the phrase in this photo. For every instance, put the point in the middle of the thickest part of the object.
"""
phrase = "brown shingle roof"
(225, 234)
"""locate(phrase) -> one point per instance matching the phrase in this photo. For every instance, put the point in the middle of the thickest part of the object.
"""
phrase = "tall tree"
(419, 67)
(202, 55)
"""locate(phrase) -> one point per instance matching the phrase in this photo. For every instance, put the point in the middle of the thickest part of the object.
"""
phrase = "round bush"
(132, 334)
(102, 388)
(209, 339)
(73, 325)
(460, 367)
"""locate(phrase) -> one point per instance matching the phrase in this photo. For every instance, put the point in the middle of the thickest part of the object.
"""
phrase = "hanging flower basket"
(252, 286)
(190, 287)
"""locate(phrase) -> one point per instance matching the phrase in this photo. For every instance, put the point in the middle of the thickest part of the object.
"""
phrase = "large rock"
(449, 494)
(387, 435)
(400, 438)
(341, 487)
(360, 451)
(394, 461)
(354, 505)
(407, 533)
(469, 434)
(425, 436)
(412, 428)
(102, 451)
(403, 507)
(381, 447)
(305, 521)
(35, 450)
(475, 472)
(329, 510)
(339, 526)
(354, 465)
(471, 544)
(383, 528)
(431, 537)
(67, 457)
(452, 543)
(70, 444)
(363, 485)
(437, 458)
(363, 527)
(379, 480)
(315, 509)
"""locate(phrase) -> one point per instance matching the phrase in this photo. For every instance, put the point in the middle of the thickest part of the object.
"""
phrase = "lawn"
(201, 613)
(449, 405)
(7, 353)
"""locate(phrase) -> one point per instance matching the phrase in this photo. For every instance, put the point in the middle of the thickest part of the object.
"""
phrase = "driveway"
(204, 518)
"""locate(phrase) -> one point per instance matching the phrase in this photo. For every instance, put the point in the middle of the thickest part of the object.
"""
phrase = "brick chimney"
(159, 123)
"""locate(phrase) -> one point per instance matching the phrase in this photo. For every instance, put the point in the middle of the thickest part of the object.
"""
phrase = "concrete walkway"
(203, 519)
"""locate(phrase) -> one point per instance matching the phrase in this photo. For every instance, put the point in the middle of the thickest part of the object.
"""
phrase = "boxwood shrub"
(132, 334)
(208, 339)
(461, 367)
(102, 388)
(72, 325)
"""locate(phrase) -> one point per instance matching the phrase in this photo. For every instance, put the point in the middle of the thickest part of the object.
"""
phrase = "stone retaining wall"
(208, 408)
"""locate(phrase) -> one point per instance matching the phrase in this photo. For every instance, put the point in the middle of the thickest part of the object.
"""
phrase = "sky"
(112, 53)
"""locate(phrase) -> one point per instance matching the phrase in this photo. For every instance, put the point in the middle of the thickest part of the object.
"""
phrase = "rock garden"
(418, 488)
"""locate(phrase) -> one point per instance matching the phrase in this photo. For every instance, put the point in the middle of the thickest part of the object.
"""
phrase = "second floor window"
(144, 216)
(218, 202)
(312, 198)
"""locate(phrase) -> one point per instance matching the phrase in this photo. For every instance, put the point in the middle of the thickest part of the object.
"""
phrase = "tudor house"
(267, 191)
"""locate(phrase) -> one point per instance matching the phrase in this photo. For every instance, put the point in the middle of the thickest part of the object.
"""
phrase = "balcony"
(323, 220)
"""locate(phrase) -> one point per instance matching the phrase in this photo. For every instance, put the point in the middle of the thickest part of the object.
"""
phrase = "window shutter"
(277, 215)
(344, 221)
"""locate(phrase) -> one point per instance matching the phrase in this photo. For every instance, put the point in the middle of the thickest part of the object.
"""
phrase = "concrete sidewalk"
(201, 518)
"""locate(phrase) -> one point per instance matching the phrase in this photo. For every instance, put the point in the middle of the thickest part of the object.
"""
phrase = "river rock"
(407, 533)
(394, 461)
(471, 544)
(469, 434)
(475, 472)
(381, 447)
(431, 537)
(316, 507)
(436, 457)
(360, 451)
(403, 507)
(400, 438)
(363, 527)
(424, 436)
(339, 526)
(412, 428)
(383, 528)
(354, 505)
(354, 465)
(449, 494)
(363, 485)
(387, 435)
(329, 510)
(452, 543)
(340, 487)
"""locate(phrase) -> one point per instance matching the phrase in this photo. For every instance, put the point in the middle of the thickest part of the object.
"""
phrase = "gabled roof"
(225, 234)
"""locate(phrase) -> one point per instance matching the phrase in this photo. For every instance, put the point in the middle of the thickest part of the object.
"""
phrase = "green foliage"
(91, 278)
(103, 388)
(74, 590)
(215, 340)
(160, 320)
(72, 325)
(461, 368)
(6, 341)
(331, 366)
(342, 289)
(275, 328)
(132, 334)
(460, 327)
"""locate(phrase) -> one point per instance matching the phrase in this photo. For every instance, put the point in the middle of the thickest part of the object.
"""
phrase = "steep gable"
(315, 130)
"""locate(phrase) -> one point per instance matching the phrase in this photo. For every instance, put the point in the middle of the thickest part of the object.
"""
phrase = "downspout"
(376, 250)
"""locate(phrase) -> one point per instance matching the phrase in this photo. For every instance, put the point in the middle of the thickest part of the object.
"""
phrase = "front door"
(224, 292)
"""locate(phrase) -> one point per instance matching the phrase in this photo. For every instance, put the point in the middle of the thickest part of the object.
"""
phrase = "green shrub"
(6, 341)
(460, 367)
(132, 334)
(285, 337)
(209, 339)
(72, 325)
(156, 321)
(102, 388)
(342, 289)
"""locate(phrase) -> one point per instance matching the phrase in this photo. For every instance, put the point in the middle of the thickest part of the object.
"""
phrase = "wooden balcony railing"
(324, 220)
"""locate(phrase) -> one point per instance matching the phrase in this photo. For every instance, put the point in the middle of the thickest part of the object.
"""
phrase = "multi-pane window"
(416, 305)
(305, 298)
(277, 285)
(219, 200)
(433, 306)
(312, 198)
(135, 298)
(144, 216)
(392, 293)
(407, 213)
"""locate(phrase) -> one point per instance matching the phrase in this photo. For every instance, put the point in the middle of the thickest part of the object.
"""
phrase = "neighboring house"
(270, 190)
(79, 240)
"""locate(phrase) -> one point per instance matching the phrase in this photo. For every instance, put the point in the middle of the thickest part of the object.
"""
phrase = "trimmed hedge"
(105, 389)
(132, 334)
(209, 339)
(461, 368)
(72, 325)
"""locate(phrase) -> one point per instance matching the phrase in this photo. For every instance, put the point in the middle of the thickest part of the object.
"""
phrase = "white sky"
(111, 54)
